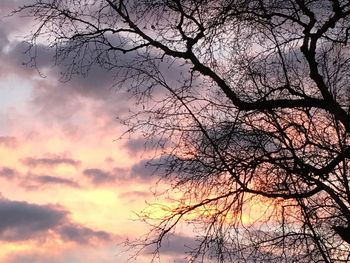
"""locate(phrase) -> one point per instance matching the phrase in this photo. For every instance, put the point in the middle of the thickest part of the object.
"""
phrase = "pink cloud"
(9, 141)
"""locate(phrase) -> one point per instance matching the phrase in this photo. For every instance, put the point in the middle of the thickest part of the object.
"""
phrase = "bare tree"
(250, 100)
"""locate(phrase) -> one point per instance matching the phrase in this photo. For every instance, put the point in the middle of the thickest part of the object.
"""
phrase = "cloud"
(51, 100)
(12, 48)
(84, 98)
(176, 245)
(75, 255)
(98, 176)
(179, 244)
(81, 234)
(21, 221)
(46, 179)
(9, 141)
(144, 144)
(33, 182)
(32, 257)
(50, 161)
(8, 172)
(149, 168)
(135, 145)
(144, 169)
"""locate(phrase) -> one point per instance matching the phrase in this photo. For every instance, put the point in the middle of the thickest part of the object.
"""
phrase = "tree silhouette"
(250, 102)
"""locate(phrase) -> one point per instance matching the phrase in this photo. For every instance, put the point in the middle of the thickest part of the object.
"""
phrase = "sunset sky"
(69, 188)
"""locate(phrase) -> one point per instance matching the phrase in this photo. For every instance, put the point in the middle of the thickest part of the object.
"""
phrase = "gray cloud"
(46, 179)
(60, 102)
(144, 144)
(32, 257)
(21, 221)
(12, 49)
(7, 5)
(143, 169)
(81, 234)
(98, 176)
(79, 255)
(148, 168)
(64, 102)
(7, 172)
(33, 182)
(50, 161)
(135, 145)
(52, 101)
(176, 246)
(95, 81)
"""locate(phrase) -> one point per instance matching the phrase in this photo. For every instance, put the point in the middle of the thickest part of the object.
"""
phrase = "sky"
(69, 187)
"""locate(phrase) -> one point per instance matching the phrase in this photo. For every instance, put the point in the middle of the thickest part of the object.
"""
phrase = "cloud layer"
(67, 184)
(22, 221)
